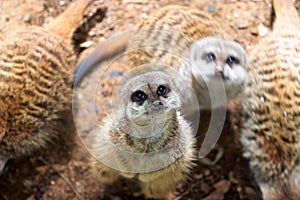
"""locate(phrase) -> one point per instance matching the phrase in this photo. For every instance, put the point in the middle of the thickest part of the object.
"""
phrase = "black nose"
(157, 104)
(219, 73)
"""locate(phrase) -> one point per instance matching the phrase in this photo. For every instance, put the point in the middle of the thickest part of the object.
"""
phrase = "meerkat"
(35, 82)
(173, 36)
(147, 138)
(270, 107)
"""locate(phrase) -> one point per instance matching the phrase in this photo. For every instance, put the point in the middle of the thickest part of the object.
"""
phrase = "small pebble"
(62, 3)
(5, 18)
(262, 30)
(27, 18)
(144, 15)
(206, 172)
(86, 44)
(242, 24)
(212, 8)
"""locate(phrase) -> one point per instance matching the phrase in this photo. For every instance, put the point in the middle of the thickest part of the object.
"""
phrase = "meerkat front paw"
(103, 173)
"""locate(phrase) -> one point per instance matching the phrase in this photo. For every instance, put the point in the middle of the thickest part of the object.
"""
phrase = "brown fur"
(169, 37)
(35, 81)
(172, 28)
(271, 111)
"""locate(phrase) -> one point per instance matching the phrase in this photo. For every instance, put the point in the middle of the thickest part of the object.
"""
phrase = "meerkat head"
(214, 58)
(150, 96)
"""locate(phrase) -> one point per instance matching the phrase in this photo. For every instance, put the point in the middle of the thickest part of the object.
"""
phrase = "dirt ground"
(60, 171)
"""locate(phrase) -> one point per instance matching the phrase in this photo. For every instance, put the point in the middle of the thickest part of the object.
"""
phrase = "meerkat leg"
(162, 187)
(294, 182)
(160, 184)
(104, 174)
(270, 191)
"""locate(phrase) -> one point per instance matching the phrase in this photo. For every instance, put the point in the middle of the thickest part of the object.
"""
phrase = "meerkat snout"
(157, 104)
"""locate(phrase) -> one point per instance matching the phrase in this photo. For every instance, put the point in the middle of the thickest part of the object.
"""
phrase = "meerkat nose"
(157, 103)
(219, 71)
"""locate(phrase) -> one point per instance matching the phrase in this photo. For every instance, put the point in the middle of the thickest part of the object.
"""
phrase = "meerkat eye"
(162, 90)
(232, 60)
(209, 57)
(138, 96)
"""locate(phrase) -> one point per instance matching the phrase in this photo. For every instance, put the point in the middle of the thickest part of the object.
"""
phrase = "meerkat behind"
(35, 82)
(150, 126)
(166, 38)
(270, 107)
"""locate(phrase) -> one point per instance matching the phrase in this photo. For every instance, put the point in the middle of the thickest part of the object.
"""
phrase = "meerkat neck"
(154, 136)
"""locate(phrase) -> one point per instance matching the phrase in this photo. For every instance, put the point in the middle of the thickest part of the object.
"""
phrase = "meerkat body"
(270, 107)
(150, 127)
(168, 37)
(35, 81)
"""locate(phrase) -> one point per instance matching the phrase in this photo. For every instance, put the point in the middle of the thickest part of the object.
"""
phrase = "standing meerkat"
(271, 107)
(147, 138)
(35, 82)
(174, 36)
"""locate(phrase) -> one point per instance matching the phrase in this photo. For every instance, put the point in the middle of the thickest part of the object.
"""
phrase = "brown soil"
(60, 171)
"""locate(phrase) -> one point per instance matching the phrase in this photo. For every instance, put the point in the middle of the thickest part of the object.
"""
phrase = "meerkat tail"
(67, 22)
(103, 52)
(285, 11)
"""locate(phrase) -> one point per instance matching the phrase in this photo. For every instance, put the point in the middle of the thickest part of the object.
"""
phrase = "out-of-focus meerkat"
(35, 82)
(147, 138)
(173, 36)
(271, 107)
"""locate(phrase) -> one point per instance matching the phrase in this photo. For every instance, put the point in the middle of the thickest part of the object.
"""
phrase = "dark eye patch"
(209, 57)
(138, 96)
(232, 60)
(162, 90)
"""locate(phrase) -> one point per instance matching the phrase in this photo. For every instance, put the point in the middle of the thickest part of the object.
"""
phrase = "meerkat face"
(150, 97)
(214, 59)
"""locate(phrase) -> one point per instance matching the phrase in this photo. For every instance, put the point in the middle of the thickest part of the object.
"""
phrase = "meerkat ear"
(194, 51)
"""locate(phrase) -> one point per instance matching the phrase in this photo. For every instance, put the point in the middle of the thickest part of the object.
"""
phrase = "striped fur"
(271, 107)
(35, 81)
(168, 33)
